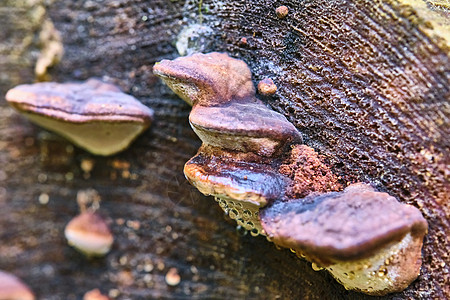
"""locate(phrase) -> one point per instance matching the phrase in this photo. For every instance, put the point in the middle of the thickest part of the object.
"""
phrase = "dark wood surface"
(365, 82)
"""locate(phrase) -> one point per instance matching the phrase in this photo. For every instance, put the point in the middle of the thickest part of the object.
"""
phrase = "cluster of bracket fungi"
(253, 162)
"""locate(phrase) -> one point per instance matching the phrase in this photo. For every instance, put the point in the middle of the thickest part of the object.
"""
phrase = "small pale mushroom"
(93, 115)
(90, 234)
(252, 162)
(95, 294)
(367, 240)
(172, 277)
(12, 288)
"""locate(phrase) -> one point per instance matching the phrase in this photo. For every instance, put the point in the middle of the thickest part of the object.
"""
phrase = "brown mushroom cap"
(12, 288)
(239, 180)
(89, 233)
(342, 226)
(245, 127)
(94, 115)
(207, 79)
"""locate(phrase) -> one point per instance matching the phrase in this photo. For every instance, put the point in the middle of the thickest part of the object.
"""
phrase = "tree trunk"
(365, 82)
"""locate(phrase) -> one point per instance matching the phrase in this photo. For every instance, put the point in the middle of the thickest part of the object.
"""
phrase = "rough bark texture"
(366, 82)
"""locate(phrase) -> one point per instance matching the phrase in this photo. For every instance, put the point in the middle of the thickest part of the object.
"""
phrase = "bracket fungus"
(93, 115)
(367, 240)
(253, 163)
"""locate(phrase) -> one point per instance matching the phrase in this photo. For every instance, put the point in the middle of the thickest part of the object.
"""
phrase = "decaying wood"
(366, 82)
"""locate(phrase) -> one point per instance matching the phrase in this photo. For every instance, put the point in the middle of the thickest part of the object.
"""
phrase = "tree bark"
(365, 82)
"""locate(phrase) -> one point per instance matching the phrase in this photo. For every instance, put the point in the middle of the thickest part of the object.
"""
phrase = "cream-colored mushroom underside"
(377, 272)
(101, 138)
(89, 244)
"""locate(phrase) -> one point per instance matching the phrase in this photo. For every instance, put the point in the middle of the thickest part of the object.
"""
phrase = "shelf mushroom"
(252, 162)
(366, 239)
(93, 115)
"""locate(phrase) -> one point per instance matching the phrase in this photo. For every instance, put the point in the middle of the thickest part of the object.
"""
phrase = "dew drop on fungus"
(316, 267)
(254, 232)
(233, 213)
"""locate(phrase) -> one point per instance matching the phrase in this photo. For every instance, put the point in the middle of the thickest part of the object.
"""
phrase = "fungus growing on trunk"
(252, 161)
(93, 115)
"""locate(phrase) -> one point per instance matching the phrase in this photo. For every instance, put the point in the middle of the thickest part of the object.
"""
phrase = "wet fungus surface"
(365, 239)
(252, 161)
(94, 115)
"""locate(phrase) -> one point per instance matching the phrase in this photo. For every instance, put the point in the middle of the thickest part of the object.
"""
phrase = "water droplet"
(246, 214)
(351, 275)
(254, 232)
(249, 226)
(382, 272)
(223, 203)
(316, 267)
(233, 213)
